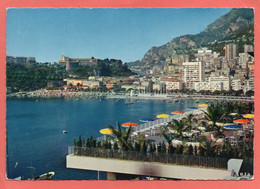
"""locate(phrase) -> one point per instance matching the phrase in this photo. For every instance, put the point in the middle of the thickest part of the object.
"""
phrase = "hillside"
(221, 29)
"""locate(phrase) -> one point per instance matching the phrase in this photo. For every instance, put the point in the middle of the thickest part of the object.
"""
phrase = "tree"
(209, 149)
(177, 126)
(141, 141)
(250, 93)
(201, 151)
(122, 136)
(189, 120)
(215, 114)
(179, 149)
(190, 150)
(195, 150)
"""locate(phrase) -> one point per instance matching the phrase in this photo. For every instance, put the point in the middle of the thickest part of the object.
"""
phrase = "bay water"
(35, 128)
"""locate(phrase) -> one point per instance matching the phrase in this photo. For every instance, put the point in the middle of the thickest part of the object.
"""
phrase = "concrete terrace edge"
(145, 168)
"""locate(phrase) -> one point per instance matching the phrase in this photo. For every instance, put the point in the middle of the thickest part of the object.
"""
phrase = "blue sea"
(35, 130)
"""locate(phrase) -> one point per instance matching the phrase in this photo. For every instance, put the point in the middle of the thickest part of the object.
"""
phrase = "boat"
(17, 178)
(64, 131)
(128, 103)
(45, 176)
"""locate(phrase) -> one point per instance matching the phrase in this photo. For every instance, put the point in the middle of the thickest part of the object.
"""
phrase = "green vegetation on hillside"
(104, 67)
(26, 77)
(241, 37)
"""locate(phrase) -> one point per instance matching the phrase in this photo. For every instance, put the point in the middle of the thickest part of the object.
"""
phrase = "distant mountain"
(227, 25)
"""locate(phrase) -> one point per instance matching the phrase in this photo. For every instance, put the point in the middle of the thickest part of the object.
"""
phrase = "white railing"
(151, 124)
(159, 122)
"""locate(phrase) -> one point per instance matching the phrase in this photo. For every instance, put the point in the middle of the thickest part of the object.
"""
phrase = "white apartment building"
(249, 85)
(221, 79)
(172, 84)
(243, 59)
(236, 84)
(208, 86)
(159, 87)
(193, 72)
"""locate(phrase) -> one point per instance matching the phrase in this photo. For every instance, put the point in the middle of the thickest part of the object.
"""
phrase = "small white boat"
(64, 131)
(45, 176)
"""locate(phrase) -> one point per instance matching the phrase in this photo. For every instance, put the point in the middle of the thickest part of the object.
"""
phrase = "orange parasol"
(241, 121)
(177, 112)
(129, 124)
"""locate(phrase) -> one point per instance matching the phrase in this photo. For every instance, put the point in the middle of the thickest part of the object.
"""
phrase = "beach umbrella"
(232, 127)
(106, 131)
(177, 112)
(241, 121)
(203, 105)
(146, 119)
(192, 108)
(249, 116)
(163, 116)
(129, 124)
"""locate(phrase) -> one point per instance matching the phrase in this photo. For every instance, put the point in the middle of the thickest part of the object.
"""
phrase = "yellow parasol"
(163, 116)
(106, 131)
(203, 105)
(249, 116)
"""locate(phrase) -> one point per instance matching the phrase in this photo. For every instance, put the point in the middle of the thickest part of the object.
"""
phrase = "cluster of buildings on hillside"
(209, 72)
(20, 59)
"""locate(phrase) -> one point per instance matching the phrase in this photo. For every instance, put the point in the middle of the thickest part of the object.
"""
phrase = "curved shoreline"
(46, 94)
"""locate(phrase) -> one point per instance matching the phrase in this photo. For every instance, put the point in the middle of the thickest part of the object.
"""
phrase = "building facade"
(208, 86)
(20, 59)
(221, 79)
(193, 72)
(236, 84)
(231, 51)
(72, 63)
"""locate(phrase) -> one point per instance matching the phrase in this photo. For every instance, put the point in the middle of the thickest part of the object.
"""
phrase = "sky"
(125, 34)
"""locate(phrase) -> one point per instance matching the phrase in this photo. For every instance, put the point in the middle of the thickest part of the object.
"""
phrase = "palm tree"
(189, 120)
(228, 108)
(215, 114)
(167, 135)
(122, 136)
(178, 126)
(141, 141)
(209, 149)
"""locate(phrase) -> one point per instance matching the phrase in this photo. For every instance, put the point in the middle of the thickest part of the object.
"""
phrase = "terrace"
(149, 164)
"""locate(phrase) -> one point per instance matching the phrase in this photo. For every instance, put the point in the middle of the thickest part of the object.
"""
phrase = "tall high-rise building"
(193, 72)
(231, 51)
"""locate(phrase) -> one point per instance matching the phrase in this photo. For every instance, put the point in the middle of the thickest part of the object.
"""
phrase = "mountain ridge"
(220, 29)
